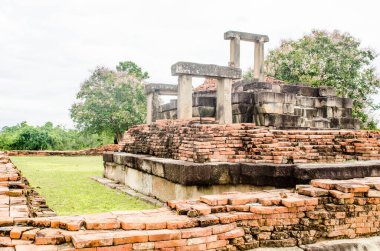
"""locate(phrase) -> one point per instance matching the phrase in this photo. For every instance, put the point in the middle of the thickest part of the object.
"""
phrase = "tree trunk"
(118, 137)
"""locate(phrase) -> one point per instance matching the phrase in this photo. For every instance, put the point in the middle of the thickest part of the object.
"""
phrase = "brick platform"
(246, 143)
(325, 209)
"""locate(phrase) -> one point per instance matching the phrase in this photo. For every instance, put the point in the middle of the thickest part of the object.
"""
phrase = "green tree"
(109, 102)
(329, 59)
(31, 138)
(48, 137)
(132, 69)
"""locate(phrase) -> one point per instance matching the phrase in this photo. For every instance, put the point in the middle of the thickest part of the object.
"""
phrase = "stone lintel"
(245, 36)
(161, 89)
(205, 70)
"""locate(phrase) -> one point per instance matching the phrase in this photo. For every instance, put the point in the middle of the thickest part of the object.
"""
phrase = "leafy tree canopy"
(329, 59)
(109, 102)
(47, 137)
(132, 69)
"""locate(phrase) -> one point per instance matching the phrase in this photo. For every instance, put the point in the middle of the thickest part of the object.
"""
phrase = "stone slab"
(370, 243)
(340, 171)
(162, 89)
(205, 70)
(245, 36)
(301, 90)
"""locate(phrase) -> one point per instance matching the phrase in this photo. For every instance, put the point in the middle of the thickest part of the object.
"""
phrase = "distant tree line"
(48, 137)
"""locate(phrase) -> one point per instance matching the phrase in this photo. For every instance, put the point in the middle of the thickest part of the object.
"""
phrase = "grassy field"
(66, 185)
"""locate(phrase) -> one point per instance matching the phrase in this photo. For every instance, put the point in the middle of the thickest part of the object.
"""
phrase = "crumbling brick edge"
(325, 209)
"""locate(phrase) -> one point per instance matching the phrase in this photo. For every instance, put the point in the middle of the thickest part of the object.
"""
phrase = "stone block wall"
(168, 179)
(282, 106)
(247, 143)
(204, 105)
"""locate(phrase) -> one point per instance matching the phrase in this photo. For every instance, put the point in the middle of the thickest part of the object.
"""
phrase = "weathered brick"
(352, 188)
(196, 232)
(126, 247)
(170, 244)
(164, 235)
(101, 223)
(197, 247)
(200, 240)
(223, 228)
(49, 236)
(238, 232)
(124, 237)
(94, 239)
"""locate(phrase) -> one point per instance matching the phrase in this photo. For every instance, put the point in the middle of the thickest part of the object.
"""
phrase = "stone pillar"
(256, 61)
(153, 105)
(261, 59)
(149, 108)
(223, 101)
(258, 67)
(235, 52)
(185, 97)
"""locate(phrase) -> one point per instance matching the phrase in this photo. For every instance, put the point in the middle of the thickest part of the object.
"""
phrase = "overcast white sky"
(48, 47)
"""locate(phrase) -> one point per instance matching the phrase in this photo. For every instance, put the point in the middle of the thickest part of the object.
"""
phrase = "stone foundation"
(168, 179)
(149, 178)
(191, 140)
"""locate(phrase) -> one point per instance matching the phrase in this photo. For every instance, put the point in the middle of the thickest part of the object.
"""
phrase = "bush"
(48, 137)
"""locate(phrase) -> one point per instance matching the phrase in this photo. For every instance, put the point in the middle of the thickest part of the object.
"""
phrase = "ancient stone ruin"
(231, 134)
(325, 209)
(240, 165)
(265, 103)
(277, 105)
(226, 147)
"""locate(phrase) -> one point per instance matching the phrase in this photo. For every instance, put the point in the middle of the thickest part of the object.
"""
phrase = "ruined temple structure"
(231, 152)
(277, 105)
(264, 101)
(231, 134)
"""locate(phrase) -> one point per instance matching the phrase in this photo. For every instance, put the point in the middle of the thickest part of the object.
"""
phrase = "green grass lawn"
(66, 185)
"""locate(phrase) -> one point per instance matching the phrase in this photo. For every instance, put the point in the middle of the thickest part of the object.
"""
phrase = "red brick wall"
(186, 140)
(326, 209)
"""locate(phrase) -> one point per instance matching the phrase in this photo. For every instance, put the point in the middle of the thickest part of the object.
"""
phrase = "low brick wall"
(325, 209)
(17, 198)
(247, 143)
(85, 152)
